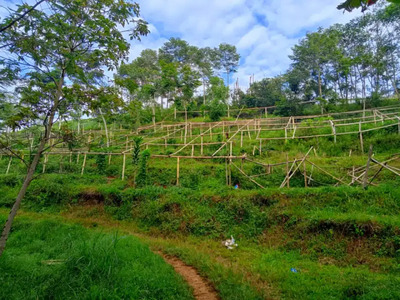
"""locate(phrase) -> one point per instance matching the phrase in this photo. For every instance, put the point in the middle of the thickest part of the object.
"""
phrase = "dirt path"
(201, 289)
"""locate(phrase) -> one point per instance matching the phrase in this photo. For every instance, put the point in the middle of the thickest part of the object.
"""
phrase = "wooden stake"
(177, 171)
(365, 181)
(285, 135)
(361, 138)
(333, 130)
(287, 170)
(9, 165)
(252, 180)
(46, 158)
(297, 167)
(241, 139)
(123, 167)
(226, 172)
(192, 150)
(84, 164)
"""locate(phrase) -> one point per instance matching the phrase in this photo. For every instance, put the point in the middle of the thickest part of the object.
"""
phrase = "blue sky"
(263, 30)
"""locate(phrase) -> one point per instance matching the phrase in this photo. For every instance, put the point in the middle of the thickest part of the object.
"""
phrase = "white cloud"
(263, 30)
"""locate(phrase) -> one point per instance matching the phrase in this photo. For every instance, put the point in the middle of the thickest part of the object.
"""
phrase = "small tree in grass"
(64, 47)
(136, 155)
(142, 174)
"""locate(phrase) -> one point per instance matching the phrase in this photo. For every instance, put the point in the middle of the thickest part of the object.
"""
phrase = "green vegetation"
(49, 260)
(112, 161)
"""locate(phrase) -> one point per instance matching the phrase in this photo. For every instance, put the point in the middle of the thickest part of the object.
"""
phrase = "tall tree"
(226, 58)
(59, 47)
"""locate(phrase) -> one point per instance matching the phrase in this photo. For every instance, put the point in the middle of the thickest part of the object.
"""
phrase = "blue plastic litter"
(293, 270)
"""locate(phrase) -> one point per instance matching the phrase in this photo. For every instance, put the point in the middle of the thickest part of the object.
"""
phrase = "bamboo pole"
(333, 130)
(287, 170)
(226, 172)
(305, 174)
(322, 170)
(252, 180)
(361, 138)
(123, 167)
(297, 167)
(384, 166)
(377, 173)
(241, 139)
(177, 171)
(46, 158)
(365, 181)
(84, 164)
(201, 149)
(9, 165)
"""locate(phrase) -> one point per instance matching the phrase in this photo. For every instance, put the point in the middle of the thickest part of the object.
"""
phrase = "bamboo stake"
(252, 180)
(226, 172)
(365, 181)
(84, 164)
(287, 169)
(192, 150)
(322, 170)
(377, 173)
(361, 138)
(297, 167)
(241, 139)
(177, 171)
(46, 158)
(9, 165)
(201, 149)
(333, 130)
(123, 167)
(305, 174)
(386, 167)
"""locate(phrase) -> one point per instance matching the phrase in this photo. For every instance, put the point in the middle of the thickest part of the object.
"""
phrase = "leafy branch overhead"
(349, 5)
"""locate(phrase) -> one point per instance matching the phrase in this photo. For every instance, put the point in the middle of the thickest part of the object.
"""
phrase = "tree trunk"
(105, 128)
(319, 83)
(32, 168)
(154, 113)
(204, 92)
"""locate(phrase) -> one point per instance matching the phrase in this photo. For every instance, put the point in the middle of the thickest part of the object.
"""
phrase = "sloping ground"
(47, 259)
(202, 290)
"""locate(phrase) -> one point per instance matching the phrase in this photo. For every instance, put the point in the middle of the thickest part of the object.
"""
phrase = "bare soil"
(202, 290)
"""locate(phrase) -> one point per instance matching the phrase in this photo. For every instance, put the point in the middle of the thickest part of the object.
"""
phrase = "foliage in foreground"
(97, 265)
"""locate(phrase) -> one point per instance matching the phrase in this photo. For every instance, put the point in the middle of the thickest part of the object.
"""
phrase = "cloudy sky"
(263, 30)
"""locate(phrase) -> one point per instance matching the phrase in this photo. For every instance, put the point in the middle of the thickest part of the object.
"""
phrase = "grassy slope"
(344, 241)
(98, 265)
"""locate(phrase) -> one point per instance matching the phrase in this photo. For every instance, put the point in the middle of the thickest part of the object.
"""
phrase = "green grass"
(97, 265)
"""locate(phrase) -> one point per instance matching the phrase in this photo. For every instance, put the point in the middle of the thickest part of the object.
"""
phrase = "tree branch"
(21, 16)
